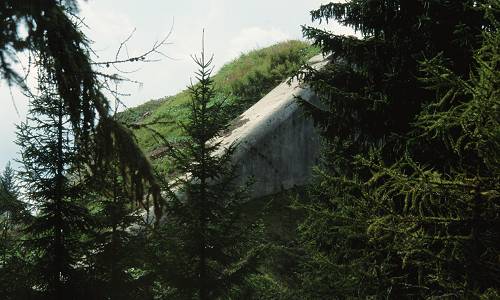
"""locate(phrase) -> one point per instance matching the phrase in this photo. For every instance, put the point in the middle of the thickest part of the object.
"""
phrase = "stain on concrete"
(276, 141)
(234, 124)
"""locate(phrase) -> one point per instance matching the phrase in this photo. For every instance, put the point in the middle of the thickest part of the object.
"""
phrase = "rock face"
(276, 142)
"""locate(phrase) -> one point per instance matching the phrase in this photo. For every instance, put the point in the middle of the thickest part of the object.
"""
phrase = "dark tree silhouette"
(399, 209)
(206, 247)
(52, 31)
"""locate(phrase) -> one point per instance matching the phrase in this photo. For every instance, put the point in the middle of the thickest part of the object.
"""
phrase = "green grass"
(242, 82)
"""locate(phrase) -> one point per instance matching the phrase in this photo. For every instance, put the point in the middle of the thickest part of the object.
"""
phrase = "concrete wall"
(276, 142)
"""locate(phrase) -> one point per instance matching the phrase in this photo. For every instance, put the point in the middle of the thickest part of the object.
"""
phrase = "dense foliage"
(54, 191)
(116, 241)
(13, 214)
(52, 30)
(205, 248)
(406, 204)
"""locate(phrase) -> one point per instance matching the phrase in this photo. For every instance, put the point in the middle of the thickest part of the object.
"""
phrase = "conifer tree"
(116, 239)
(448, 229)
(371, 87)
(52, 30)
(51, 180)
(14, 215)
(367, 233)
(11, 207)
(206, 247)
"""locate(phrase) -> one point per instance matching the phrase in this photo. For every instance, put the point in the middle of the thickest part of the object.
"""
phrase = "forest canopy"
(404, 202)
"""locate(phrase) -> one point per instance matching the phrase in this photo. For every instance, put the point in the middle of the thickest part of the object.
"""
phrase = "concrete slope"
(276, 142)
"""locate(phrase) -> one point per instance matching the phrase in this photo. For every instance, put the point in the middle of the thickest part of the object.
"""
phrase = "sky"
(232, 27)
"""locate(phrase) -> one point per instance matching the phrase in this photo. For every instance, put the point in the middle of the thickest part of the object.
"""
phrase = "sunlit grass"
(242, 82)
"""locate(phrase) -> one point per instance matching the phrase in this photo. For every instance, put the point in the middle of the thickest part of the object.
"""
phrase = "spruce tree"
(116, 240)
(11, 207)
(366, 234)
(205, 248)
(52, 30)
(14, 215)
(50, 177)
(448, 230)
(371, 86)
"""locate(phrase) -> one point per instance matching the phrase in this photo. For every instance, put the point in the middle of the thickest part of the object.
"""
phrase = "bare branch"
(155, 49)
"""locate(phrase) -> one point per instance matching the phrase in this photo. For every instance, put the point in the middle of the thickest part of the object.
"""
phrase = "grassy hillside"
(241, 82)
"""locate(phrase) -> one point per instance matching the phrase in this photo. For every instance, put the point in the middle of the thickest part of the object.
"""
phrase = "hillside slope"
(241, 83)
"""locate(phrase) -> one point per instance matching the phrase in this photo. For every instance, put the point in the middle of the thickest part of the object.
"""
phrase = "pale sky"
(231, 27)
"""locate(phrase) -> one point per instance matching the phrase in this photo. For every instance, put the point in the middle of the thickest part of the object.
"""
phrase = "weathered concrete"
(276, 142)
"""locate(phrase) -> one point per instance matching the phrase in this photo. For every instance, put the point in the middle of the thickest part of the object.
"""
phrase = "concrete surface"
(276, 142)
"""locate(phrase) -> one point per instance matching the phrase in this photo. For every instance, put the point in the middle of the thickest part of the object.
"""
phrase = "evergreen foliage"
(406, 204)
(116, 241)
(52, 31)
(13, 215)
(79, 239)
(372, 88)
(51, 179)
(205, 248)
(10, 205)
